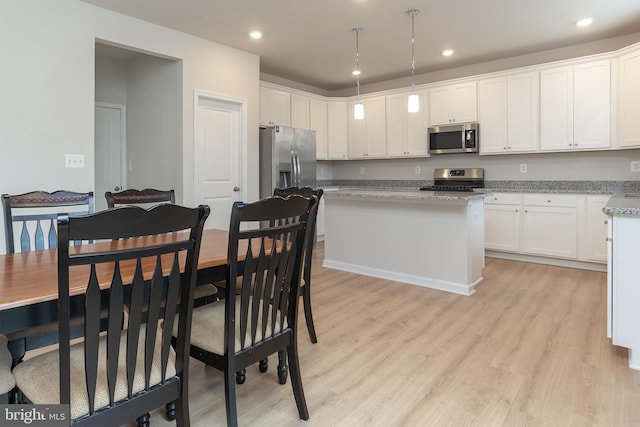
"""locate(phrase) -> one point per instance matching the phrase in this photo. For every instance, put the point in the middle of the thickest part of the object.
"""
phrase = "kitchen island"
(425, 238)
(623, 275)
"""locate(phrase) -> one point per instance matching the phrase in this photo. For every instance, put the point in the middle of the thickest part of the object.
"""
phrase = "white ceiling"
(312, 42)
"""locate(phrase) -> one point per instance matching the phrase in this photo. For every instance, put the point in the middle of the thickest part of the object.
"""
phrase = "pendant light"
(358, 108)
(414, 100)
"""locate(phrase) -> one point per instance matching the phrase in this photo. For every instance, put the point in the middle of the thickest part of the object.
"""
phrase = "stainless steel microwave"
(460, 138)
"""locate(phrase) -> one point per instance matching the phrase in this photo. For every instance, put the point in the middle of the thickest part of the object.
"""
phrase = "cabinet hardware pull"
(608, 239)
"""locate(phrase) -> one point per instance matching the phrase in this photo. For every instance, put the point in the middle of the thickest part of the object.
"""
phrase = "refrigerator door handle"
(293, 168)
(298, 169)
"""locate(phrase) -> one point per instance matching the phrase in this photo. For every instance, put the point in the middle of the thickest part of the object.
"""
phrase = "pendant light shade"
(358, 108)
(414, 103)
(414, 100)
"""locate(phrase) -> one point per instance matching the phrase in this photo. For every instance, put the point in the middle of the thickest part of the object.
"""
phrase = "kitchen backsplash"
(580, 187)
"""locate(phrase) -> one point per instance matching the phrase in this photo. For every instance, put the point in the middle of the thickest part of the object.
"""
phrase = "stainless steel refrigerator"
(287, 158)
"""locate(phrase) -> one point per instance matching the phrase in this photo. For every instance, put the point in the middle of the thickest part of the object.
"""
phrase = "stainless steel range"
(465, 179)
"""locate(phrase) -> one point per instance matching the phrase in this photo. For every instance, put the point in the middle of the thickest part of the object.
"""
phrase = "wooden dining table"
(29, 282)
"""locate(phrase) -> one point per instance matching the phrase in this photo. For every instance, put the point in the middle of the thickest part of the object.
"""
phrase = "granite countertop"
(406, 194)
(623, 204)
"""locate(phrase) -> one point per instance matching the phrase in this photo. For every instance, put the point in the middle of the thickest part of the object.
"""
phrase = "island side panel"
(437, 244)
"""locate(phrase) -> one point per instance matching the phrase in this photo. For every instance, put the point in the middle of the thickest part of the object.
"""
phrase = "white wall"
(154, 124)
(48, 90)
(111, 81)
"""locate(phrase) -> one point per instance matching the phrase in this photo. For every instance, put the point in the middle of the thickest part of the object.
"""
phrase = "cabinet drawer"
(503, 199)
(567, 200)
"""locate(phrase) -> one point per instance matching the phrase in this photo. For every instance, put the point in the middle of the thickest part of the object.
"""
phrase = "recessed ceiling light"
(255, 35)
(447, 52)
(584, 22)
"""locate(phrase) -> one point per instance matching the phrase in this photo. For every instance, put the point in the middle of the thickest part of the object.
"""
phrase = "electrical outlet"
(523, 168)
(362, 170)
(322, 170)
(635, 166)
(74, 160)
(418, 170)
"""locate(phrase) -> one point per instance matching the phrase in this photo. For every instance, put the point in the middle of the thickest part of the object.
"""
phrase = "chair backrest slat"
(34, 215)
(142, 273)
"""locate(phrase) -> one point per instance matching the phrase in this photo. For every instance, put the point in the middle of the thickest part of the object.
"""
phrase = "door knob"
(236, 188)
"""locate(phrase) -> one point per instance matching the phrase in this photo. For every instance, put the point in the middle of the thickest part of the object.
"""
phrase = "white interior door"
(110, 151)
(218, 142)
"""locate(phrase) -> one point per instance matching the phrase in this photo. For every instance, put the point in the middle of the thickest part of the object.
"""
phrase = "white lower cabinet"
(595, 229)
(502, 222)
(561, 226)
(550, 225)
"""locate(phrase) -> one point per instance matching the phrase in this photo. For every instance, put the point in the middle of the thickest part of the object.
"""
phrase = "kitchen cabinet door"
(337, 130)
(406, 132)
(367, 137)
(593, 239)
(592, 105)
(523, 112)
(456, 103)
(492, 114)
(275, 107)
(502, 222)
(628, 93)
(318, 122)
(550, 225)
(299, 111)
(556, 109)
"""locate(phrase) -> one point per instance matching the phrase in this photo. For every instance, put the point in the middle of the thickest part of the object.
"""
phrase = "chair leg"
(306, 299)
(241, 376)
(230, 399)
(143, 421)
(264, 365)
(296, 382)
(282, 367)
(171, 411)
(181, 406)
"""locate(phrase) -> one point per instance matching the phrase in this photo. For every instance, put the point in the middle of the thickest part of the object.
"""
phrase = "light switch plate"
(74, 160)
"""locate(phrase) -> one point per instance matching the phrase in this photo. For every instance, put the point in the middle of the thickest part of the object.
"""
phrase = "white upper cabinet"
(456, 103)
(592, 105)
(299, 111)
(406, 132)
(508, 109)
(367, 137)
(628, 93)
(318, 122)
(275, 107)
(337, 130)
(575, 107)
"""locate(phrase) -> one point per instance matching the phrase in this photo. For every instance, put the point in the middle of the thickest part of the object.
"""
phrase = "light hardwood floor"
(529, 348)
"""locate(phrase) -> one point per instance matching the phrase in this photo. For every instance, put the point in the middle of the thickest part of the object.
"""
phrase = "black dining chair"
(129, 369)
(30, 225)
(258, 314)
(205, 293)
(7, 381)
(305, 288)
(33, 215)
